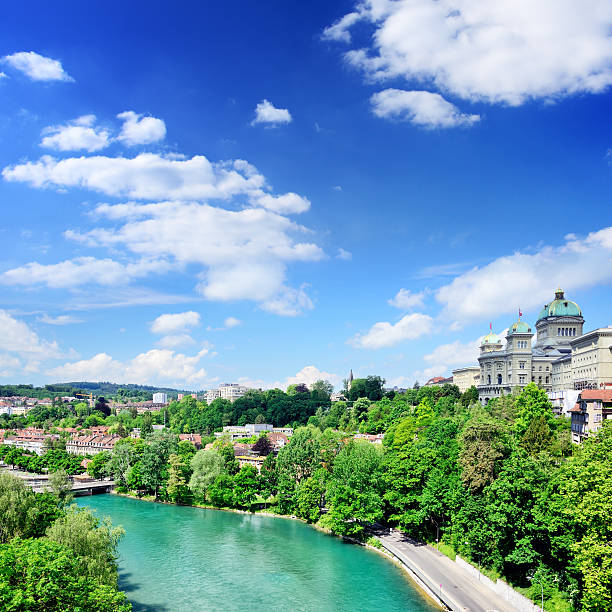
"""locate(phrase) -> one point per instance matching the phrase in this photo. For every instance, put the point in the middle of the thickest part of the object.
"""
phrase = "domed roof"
(491, 338)
(520, 327)
(560, 307)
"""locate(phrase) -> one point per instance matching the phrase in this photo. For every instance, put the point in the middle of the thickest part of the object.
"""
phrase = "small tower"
(350, 379)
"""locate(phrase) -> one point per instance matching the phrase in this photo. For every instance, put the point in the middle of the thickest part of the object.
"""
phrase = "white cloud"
(169, 323)
(309, 375)
(232, 322)
(9, 365)
(340, 30)
(267, 113)
(3, 75)
(147, 176)
(384, 334)
(508, 51)
(59, 320)
(284, 204)
(454, 354)
(37, 67)
(405, 299)
(80, 134)
(173, 341)
(140, 130)
(245, 253)
(17, 337)
(421, 108)
(343, 254)
(81, 271)
(155, 367)
(528, 280)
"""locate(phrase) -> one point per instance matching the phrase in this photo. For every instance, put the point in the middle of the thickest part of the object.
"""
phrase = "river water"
(175, 558)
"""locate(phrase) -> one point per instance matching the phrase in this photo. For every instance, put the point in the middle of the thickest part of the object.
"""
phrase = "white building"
(467, 377)
(160, 398)
(237, 432)
(228, 391)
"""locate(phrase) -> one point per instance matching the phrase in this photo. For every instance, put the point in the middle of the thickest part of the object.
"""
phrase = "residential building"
(466, 377)
(337, 397)
(228, 391)
(237, 432)
(91, 445)
(591, 359)
(160, 398)
(255, 460)
(30, 439)
(594, 406)
(195, 439)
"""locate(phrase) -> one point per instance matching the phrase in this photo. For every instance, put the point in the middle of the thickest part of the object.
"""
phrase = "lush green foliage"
(53, 557)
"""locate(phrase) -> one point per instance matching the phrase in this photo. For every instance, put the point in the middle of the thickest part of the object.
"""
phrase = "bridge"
(39, 483)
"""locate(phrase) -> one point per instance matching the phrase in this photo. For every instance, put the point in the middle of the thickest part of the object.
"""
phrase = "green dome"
(491, 338)
(560, 307)
(520, 327)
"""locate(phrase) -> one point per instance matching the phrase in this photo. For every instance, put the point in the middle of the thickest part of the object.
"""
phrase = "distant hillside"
(106, 389)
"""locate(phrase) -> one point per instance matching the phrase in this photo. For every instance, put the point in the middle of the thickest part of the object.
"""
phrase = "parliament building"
(562, 359)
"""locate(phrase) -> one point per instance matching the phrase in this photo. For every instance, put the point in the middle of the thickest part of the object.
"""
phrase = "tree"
(98, 465)
(354, 489)
(483, 444)
(310, 496)
(102, 406)
(146, 428)
(469, 396)
(178, 477)
(533, 402)
(246, 486)
(221, 491)
(206, 465)
(154, 461)
(92, 542)
(45, 576)
(61, 486)
(263, 446)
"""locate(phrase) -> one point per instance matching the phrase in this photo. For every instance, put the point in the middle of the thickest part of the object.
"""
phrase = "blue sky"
(303, 188)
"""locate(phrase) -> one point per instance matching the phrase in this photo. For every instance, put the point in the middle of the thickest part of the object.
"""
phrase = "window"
(489, 379)
(540, 369)
(547, 380)
(499, 379)
(521, 365)
(521, 379)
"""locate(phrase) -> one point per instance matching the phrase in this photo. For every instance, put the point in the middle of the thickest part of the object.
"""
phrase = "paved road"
(459, 590)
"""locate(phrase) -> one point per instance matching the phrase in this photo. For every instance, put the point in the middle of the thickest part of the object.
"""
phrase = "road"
(459, 590)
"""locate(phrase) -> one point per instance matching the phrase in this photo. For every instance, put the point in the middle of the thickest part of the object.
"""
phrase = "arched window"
(499, 379)
(489, 379)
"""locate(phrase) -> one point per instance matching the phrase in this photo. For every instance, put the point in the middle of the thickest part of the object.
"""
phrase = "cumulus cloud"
(159, 367)
(59, 320)
(343, 254)
(309, 375)
(405, 299)
(80, 134)
(173, 341)
(3, 75)
(232, 322)
(384, 334)
(37, 67)
(507, 51)
(17, 337)
(528, 279)
(138, 129)
(268, 114)
(244, 253)
(150, 176)
(170, 323)
(82, 271)
(286, 203)
(421, 108)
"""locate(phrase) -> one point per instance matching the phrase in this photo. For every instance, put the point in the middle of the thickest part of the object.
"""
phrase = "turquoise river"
(176, 558)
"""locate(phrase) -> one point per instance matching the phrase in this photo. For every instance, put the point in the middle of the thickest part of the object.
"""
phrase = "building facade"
(593, 407)
(160, 398)
(521, 361)
(465, 378)
(228, 391)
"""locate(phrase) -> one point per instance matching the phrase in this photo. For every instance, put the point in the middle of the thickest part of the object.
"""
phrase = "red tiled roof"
(605, 395)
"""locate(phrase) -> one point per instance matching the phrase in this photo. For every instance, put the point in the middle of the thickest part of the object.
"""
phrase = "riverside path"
(451, 583)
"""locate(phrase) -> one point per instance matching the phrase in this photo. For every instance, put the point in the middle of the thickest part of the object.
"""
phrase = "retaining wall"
(503, 589)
